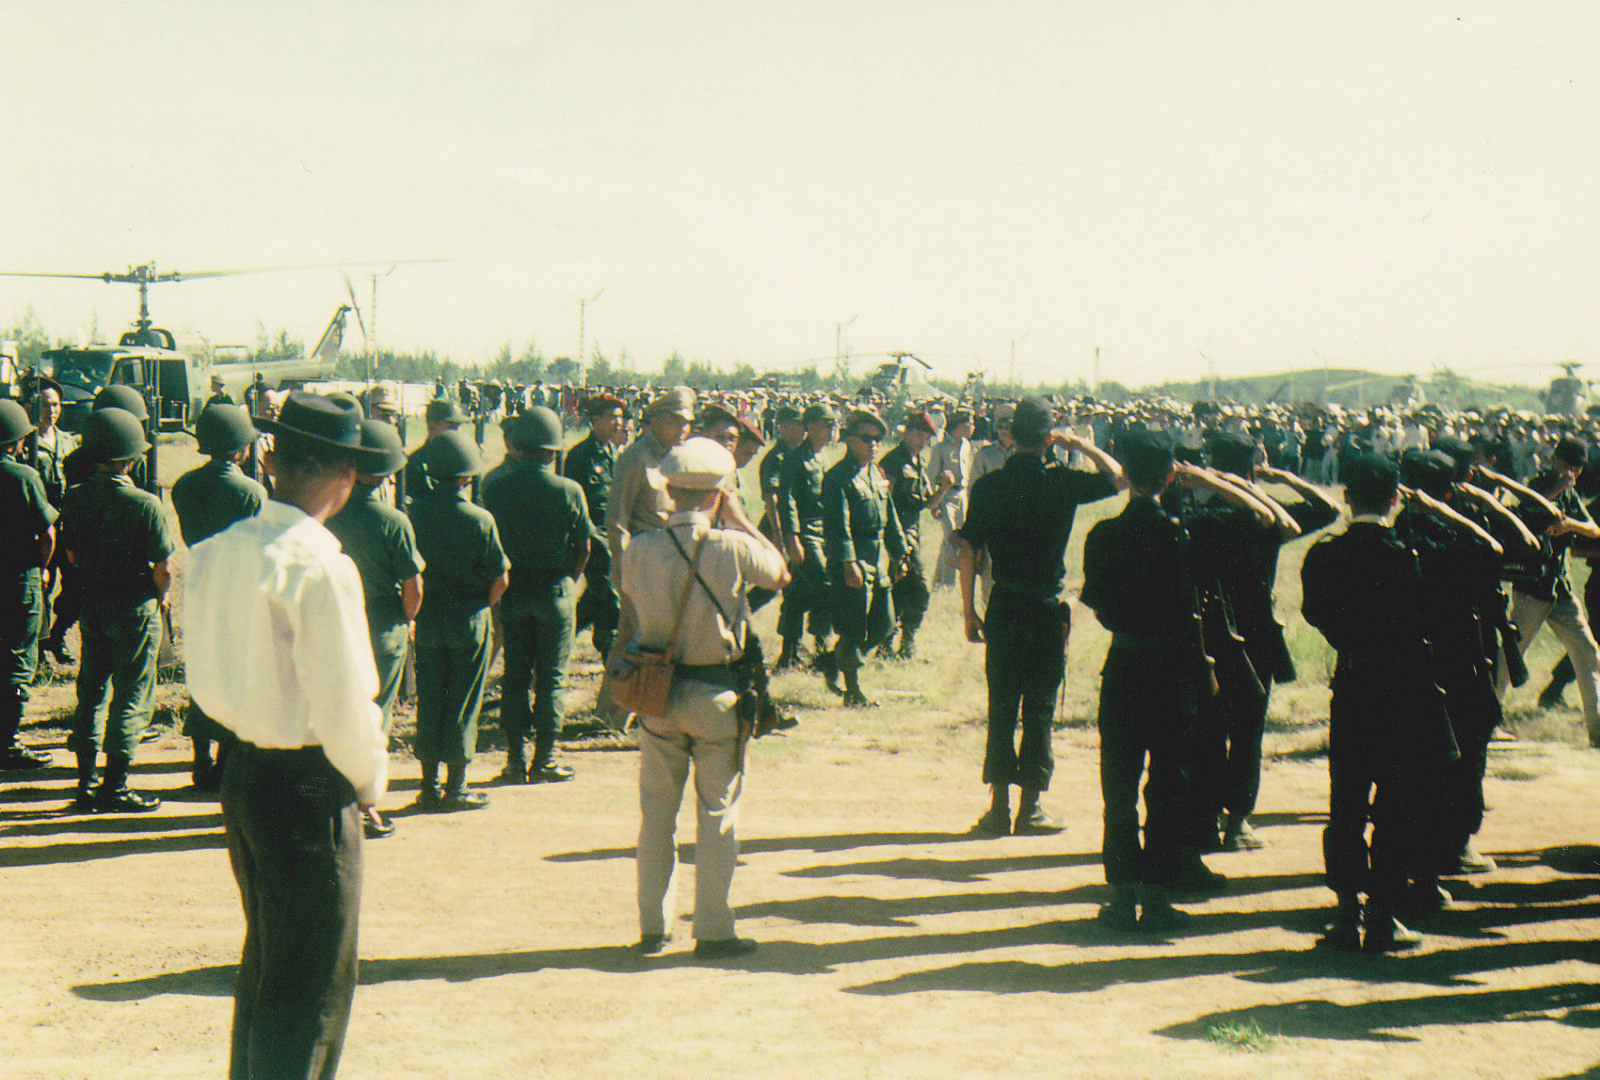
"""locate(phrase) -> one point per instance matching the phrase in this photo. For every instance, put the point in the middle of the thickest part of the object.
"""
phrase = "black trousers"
(807, 592)
(598, 606)
(1024, 665)
(911, 594)
(1227, 768)
(294, 838)
(1148, 704)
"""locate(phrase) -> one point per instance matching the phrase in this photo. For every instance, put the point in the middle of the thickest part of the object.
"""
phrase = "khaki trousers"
(699, 728)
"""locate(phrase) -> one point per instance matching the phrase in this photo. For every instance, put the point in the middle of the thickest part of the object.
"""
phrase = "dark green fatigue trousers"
(21, 619)
(452, 662)
(118, 660)
(538, 646)
(389, 645)
(863, 618)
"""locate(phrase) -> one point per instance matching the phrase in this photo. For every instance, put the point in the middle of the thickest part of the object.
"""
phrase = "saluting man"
(464, 576)
(545, 526)
(381, 542)
(27, 540)
(118, 541)
(866, 549)
(208, 500)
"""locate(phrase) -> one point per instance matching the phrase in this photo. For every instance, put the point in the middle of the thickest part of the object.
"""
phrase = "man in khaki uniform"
(701, 723)
(639, 502)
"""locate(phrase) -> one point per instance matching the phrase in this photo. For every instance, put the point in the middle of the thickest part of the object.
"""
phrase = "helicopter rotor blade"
(351, 289)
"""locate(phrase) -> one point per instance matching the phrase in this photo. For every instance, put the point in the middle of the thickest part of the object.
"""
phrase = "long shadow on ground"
(834, 842)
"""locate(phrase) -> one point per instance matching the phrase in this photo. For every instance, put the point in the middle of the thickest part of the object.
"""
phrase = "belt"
(1125, 640)
(289, 753)
(716, 674)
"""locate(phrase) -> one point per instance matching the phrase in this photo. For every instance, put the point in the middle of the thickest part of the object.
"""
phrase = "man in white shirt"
(701, 724)
(277, 651)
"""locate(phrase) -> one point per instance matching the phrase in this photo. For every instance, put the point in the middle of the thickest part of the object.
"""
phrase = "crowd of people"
(324, 559)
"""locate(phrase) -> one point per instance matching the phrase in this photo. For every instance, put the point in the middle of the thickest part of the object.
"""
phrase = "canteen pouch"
(641, 679)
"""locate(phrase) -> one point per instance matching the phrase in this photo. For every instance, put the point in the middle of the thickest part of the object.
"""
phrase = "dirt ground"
(893, 943)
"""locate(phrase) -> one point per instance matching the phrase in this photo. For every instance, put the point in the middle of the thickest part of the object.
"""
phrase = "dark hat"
(1031, 421)
(321, 423)
(1146, 455)
(817, 413)
(601, 403)
(122, 396)
(381, 436)
(716, 413)
(1572, 452)
(860, 419)
(1370, 479)
(1004, 412)
(14, 422)
(47, 383)
(113, 434)
(786, 414)
(444, 411)
(223, 429)
(679, 402)
(698, 464)
(1461, 453)
(453, 454)
(1431, 470)
(959, 417)
(344, 397)
(1232, 452)
(921, 421)
(384, 398)
(537, 429)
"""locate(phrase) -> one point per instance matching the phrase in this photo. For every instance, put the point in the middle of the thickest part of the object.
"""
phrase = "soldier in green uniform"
(590, 464)
(865, 548)
(27, 540)
(381, 542)
(117, 539)
(442, 415)
(464, 576)
(912, 494)
(208, 500)
(791, 433)
(800, 518)
(548, 534)
(50, 444)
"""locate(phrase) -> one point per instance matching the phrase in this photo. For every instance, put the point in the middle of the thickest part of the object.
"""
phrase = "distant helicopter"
(1567, 394)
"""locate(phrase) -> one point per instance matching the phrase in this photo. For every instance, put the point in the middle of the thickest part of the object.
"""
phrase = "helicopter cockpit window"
(84, 369)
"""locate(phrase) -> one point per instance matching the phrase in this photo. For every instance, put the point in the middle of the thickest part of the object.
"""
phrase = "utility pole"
(1094, 387)
(583, 306)
(840, 369)
(1012, 379)
(372, 313)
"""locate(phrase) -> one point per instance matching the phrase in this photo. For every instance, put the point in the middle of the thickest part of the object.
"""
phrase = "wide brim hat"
(223, 429)
(14, 422)
(444, 411)
(384, 397)
(113, 434)
(679, 402)
(747, 430)
(921, 421)
(378, 435)
(817, 413)
(698, 464)
(323, 423)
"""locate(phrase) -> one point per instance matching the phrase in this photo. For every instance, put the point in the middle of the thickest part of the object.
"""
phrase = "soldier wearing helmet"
(27, 539)
(464, 576)
(545, 524)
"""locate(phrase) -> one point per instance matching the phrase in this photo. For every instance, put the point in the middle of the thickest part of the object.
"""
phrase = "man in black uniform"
(548, 536)
(208, 500)
(27, 539)
(1389, 736)
(800, 519)
(117, 539)
(1138, 577)
(912, 494)
(865, 550)
(590, 464)
(1022, 516)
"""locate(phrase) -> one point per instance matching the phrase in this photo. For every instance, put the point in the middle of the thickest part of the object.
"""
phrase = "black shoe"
(124, 800)
(652, 944)
(377, 829)
(83, 802)
(828, 665)
(428, 799)
(1385, 933)
(1197, 879)
(549, 773)
(1119, 914)
(1037, 823)
(1426, 898)
(855, 699)
(724, 948)
(463, 798)
(20, 759)
(1156, 913)
(1344, 933)
(515, 772)
(993, 823)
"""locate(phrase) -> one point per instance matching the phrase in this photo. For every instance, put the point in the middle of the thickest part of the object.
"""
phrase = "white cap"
(698, 464)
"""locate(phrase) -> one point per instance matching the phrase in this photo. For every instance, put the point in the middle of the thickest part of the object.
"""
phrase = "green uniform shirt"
(212, 497)
(115, 533)
(908, 489)
(800, 493)
(461, 554)
(859, 521)
(25, 516)
(589, 464)
(50, 460)
(545, 526)
(381, 542)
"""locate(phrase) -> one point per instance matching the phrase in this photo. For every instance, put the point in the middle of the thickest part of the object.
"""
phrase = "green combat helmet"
(454, 454)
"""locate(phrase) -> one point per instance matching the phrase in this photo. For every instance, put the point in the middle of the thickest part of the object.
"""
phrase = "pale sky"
(1387, 185)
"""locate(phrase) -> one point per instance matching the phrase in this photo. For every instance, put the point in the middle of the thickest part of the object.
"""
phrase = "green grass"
(1246, 1035)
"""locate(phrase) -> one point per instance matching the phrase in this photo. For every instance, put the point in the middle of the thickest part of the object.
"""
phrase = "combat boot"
(1344, 932)
(1122, 912)
(1385, 933)
(115, 797)
(828, 665)
(1156, 913)
(457, 795)
(853, 697)
(88, 776)
(788, 656)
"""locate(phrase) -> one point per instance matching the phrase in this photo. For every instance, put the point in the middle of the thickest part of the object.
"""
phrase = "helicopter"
(1567, 394)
